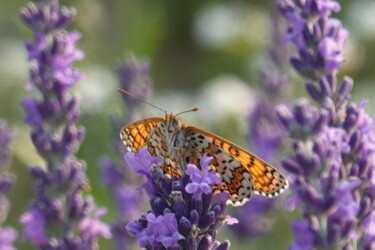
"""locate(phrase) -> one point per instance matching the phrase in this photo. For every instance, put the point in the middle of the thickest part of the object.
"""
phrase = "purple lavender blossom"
(179, 218)
(140, 163)
(91, 227)
(117, 176)
(332, 168)
(201, 183)
(59, 211)
(161, 229)
(7, 234)
(34, 226)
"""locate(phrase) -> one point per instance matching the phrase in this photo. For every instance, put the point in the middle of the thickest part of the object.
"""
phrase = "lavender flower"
(161, 229)
(201, 183)
(7, 234)
(117, 176)
(266, 134)
(60, 217)
(184, 213)
(332, 168)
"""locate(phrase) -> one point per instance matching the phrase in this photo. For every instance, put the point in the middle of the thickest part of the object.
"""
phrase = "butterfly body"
(243, 173)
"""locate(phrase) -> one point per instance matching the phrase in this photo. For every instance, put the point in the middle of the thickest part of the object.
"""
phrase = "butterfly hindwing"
(235, 179)
(267, 180)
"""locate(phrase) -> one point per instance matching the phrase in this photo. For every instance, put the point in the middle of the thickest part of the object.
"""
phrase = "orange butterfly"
(243, 173)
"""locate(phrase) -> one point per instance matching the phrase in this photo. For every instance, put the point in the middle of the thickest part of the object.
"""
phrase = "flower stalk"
(116, 174)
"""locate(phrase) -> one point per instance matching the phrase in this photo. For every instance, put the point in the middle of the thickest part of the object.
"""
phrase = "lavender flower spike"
(184, 213)
(333, 164)
(60, 217)
(7, 234)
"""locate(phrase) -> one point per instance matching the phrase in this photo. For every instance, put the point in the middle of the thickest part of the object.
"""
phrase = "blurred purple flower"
(330, 50)
(254, 218)
(319, 38)
(34, 221)
(305, 237)
(7, 234)
(133, 77)
(91, 227)
(179, 219)
(58, 185)
(6, 136)
(112, 175)
(266, 134)
(129, 201)
(332, 168)
(6, 179)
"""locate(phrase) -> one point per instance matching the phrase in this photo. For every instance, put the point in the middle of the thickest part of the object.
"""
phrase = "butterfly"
(243, 174)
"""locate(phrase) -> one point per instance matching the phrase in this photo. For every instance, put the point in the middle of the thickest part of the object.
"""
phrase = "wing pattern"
(242, 172)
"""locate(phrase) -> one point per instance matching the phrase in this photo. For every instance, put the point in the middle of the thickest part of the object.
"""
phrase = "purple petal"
(33, 222)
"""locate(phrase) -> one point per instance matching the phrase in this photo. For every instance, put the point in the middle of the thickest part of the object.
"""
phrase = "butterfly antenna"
(191, 110)
(141, 100)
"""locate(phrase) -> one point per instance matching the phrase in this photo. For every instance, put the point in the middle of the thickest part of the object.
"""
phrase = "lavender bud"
(205, 243)
(194, 217)
(290, 165)
(207, 220)
(334, 232)
(285, 116)
(314, 92)
(347, 228)
(365, 207)
(364, 167)
(184, 226)
(320, 123)
(345, 87)
(325, 87)
(158, 205)
(197, 205)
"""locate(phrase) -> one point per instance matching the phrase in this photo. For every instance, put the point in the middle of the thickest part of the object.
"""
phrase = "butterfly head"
(173, 123)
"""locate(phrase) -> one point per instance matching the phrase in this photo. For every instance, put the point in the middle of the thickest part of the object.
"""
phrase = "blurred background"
(206, 54)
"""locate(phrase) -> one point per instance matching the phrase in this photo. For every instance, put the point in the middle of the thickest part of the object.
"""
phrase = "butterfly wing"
(134, 135)
(151, 133)
(241, 171)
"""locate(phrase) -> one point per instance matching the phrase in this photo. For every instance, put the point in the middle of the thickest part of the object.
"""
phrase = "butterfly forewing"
(151, 133)
(134, 135)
